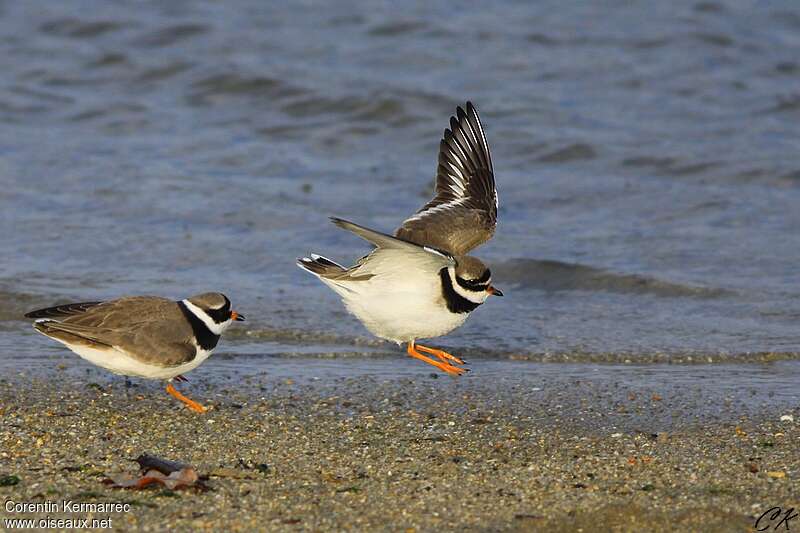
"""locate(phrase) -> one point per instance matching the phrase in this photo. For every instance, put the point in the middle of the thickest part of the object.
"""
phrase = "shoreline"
(365, 451)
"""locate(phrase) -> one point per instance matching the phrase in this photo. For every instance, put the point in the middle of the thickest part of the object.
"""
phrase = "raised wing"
(463, 213)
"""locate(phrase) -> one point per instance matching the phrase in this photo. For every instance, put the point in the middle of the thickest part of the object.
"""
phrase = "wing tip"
(461, 113)
(466, 134)
(60, 311)
(350, 226)
(469, 109)
(339, 221)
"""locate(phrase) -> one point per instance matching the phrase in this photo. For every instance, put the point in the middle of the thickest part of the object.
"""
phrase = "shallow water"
(646, 157)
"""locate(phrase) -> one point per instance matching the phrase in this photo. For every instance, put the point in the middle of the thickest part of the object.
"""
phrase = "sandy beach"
(410, 453)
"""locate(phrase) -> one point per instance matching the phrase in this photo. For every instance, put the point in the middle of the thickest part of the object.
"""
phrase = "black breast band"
(455, 302)
(206, 339)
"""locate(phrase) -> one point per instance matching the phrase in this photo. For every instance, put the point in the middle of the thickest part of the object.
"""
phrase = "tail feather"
(320, 266)
(327, 262)
(44, 325)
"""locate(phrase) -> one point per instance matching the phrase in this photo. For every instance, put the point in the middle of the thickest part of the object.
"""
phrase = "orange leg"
(441, 354)
(444, 366)
(191, 404)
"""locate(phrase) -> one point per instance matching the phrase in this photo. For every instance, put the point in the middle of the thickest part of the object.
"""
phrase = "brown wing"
(70, 335)
(151, 329)
(463, 213)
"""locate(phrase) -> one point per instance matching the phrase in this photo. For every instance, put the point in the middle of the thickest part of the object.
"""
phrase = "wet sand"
(547, 450)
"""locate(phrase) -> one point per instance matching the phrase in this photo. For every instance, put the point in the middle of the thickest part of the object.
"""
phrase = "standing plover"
(142, 336)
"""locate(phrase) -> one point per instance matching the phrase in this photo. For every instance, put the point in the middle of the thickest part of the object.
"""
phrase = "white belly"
(119, 362)
(400, 314)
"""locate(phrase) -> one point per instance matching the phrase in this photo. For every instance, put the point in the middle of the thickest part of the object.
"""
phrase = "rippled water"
(647, 157)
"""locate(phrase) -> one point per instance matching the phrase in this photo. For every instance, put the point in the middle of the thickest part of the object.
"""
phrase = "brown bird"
(142, 336)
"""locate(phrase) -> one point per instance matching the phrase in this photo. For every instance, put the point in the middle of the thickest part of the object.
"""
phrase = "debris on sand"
(156, 471)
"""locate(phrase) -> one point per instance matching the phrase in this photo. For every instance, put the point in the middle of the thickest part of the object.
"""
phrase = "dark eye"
(222, 312)
(484, 278)
(473, 284)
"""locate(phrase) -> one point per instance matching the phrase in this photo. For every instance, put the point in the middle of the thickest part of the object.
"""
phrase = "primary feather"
(60, 311)
(463, 213)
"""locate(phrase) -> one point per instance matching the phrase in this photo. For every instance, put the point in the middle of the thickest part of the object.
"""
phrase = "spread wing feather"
(463, 213)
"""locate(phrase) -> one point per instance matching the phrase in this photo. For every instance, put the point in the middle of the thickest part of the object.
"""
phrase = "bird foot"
(191, 404)
(441, 354)
(443, 365)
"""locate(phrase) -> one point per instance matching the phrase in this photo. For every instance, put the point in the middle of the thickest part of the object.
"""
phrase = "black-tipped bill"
(237, 317)
(494, 291)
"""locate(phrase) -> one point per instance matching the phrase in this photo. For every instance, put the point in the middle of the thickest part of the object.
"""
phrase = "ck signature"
(775, 517)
